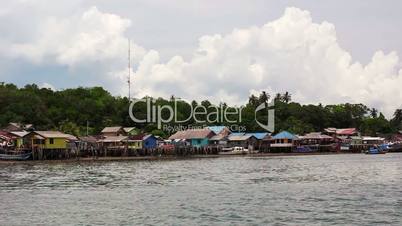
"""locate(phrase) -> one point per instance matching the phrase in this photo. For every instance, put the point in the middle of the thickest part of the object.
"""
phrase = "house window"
(51, 141)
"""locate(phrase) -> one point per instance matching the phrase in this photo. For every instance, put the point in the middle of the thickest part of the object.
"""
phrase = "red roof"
(397, 137)
(7, 135)
(347, 131)
(137, 137)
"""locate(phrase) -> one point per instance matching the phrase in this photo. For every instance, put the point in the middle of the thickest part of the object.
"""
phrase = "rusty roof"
(51, 134)
(315, 135)
(192, 134)
(111, 129)
(240, 137)
(111, 139)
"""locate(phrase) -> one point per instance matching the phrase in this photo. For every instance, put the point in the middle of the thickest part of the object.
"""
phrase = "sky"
(320, 51)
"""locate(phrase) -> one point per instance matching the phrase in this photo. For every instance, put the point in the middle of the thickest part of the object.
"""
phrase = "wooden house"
(196, 137)
(283, 141)
(220, 130)
(219, 140)
(130, 131)
(113, 131)
(373, 140)
(316, 138)
(113, 142)
(20, 141)
(47, 139)
(149, 141)
(263, 140)
(143, 141)
(345, 132)
(242, 140)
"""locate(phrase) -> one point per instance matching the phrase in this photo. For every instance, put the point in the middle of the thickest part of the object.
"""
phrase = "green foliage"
(70, 110)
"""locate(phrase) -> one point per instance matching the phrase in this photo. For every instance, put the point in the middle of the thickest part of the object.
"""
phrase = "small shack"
(47, 139)
(196, 137)
(219, 140)
(130, 131)
(283, 142)
(263, 140)
(113, 131)
(348, 132)
(115, 142)
(242, 140)
(316, 138)
(141, 141)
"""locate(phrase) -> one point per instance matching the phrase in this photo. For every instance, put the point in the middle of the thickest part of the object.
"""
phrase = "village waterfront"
(348, 189)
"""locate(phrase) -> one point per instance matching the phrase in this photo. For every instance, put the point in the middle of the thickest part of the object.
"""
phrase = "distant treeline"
(71, 110)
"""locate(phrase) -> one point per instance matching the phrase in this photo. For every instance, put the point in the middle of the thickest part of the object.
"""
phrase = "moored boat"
(16, 156)
(235, 151)
(380, 149)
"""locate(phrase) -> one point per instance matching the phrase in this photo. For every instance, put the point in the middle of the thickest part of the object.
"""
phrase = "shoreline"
(162, 158)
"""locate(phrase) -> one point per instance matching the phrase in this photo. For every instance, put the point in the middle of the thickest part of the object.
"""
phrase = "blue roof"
(216, 129)
(237, 134)
(284, 135)
(259, 136)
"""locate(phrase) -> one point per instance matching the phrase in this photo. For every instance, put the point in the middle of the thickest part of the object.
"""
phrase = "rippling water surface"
(295, 190)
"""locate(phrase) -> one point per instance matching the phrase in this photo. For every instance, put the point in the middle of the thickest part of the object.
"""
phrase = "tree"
(396, 121)
(287, 97)
(373, 113)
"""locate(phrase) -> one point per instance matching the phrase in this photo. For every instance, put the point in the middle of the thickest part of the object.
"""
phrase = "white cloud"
(291, 54)
(47, 86)
(92, 36)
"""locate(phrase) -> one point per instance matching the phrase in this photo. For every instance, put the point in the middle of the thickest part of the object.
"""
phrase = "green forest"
(72, 110)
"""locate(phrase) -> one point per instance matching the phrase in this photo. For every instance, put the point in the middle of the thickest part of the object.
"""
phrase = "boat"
(16, 157)
(303, 149)
(235, 151)
(380, 149)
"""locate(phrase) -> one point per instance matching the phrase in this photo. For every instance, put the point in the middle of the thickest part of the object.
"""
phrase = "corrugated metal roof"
(89, 139)
(71, 137)
(284, 135)
(113, 129)
(216, 129)
(137, 137)
(347, 131)
(51, 134)
(128, 129)
(218, 137)
(192, 134)
(111, 139)
(20, 133)
(240, 137)
(344, 131)
(237, 134)
(259, 136)
(317, 135)
(140, 137)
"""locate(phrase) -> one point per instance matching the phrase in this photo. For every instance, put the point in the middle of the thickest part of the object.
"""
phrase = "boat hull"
(19, 157)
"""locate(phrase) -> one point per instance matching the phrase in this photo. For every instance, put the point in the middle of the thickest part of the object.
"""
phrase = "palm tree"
(278, 97)
(287, 97)
(397, 120)
(374, 113)
(264, 97)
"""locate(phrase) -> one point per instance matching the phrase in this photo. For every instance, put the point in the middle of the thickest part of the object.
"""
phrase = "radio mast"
(129, 71)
